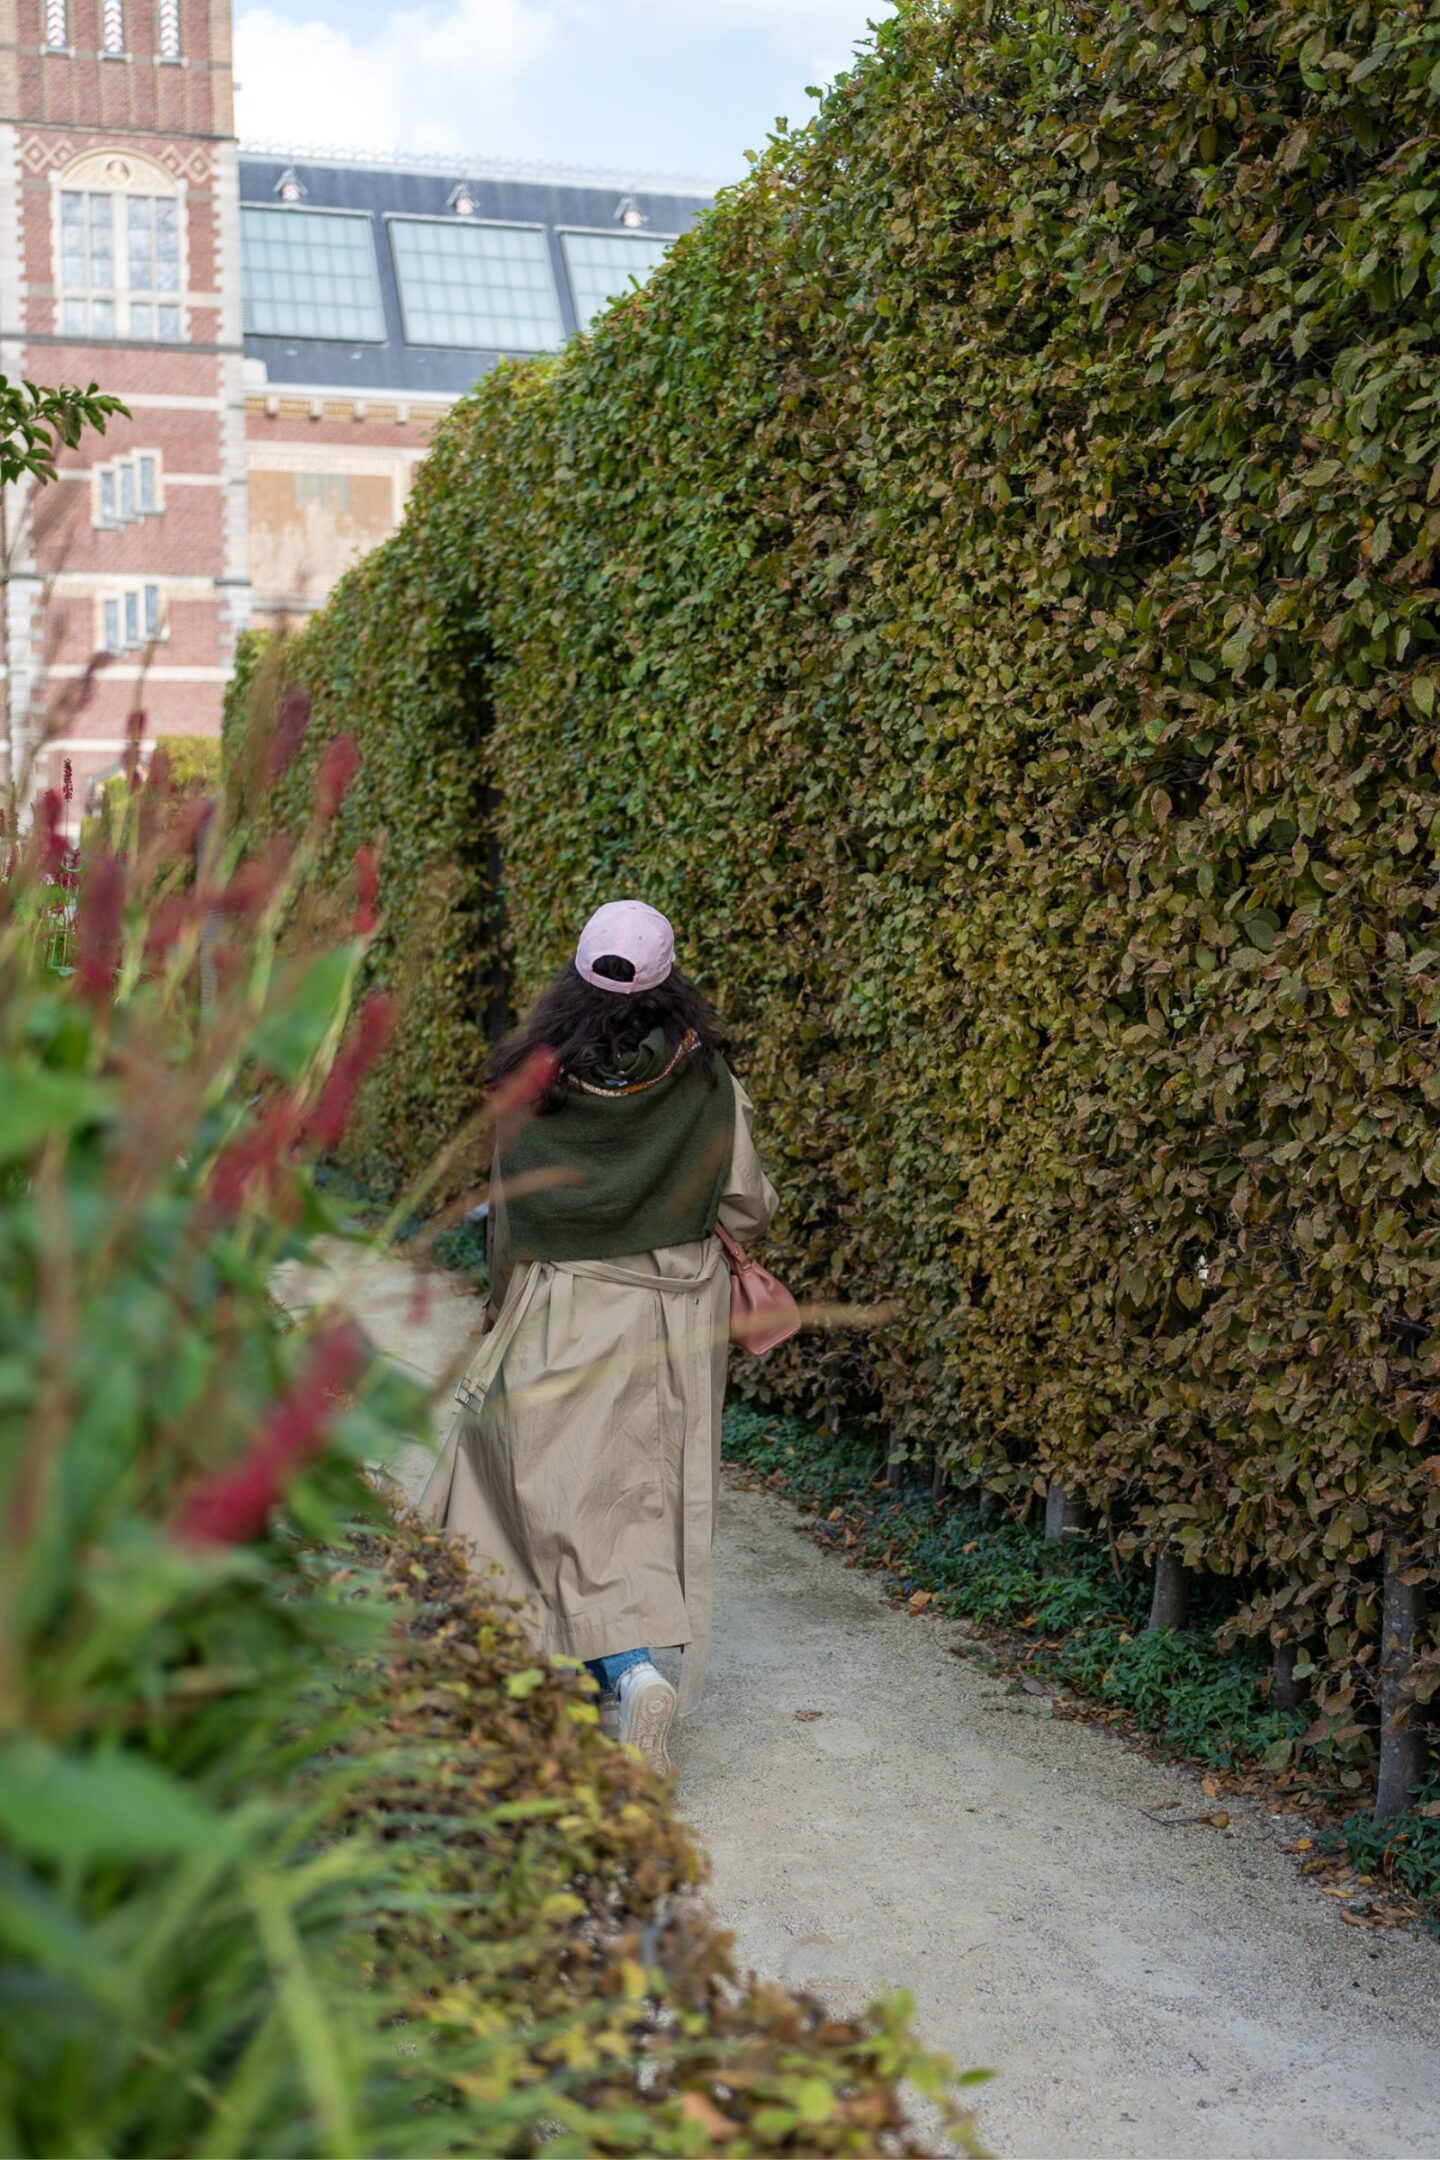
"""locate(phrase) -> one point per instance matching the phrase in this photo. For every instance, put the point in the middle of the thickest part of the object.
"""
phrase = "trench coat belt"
(697, 1467)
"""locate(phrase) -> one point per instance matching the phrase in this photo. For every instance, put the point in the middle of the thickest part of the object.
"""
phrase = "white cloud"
(825, 31)
(429, 78)
(830, 21)
(584, 81)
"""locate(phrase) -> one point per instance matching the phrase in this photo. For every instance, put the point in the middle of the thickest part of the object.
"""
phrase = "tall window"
(56, 27)
(119, 265)
(128, 488)
(131, 618)
(484, 288)
(112, 26)
(169, 29)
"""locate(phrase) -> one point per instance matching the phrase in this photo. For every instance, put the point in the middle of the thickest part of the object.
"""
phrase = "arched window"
(120, 250)
(169, 29)
(112, 27)
(56, 26)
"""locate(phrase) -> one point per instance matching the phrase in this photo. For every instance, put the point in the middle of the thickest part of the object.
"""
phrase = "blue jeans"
(606, 1671)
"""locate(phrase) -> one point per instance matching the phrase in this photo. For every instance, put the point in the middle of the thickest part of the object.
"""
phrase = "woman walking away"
(585, 1458)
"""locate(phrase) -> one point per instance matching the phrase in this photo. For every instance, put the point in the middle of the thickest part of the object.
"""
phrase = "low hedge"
(984, 587)
(599, 1977)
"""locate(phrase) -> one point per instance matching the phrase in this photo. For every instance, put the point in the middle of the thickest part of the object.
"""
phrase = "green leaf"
(290, 1036)
(84, 1808)
(521, 1684)
(38, 1926)
(39, 1106)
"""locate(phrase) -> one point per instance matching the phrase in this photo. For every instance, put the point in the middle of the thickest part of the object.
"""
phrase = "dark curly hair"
(591, 1031)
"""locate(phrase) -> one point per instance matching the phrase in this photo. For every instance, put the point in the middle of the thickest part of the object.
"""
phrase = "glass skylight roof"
(310, 274)
(602, 265)
(483, 288)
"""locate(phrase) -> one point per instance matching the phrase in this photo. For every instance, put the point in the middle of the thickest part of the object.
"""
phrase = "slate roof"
(553, 198)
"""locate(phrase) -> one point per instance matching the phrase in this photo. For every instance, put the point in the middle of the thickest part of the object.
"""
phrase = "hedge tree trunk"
(1170, 1603)
(1402, 1740)
(1284, 1687)
(1064, 1511)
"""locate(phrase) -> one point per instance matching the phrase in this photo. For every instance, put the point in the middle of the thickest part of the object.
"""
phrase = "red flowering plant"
(181, 1461)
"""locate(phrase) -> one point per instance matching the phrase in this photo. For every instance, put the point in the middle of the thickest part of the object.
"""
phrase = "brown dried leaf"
(697, 2109)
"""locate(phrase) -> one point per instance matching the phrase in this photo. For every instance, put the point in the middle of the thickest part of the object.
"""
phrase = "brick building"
(285, 328)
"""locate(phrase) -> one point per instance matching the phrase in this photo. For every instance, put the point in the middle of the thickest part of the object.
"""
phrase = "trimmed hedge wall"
(984, 586)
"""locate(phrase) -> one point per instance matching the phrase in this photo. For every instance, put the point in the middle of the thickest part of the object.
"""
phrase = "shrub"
(984, 586)
(189, 765)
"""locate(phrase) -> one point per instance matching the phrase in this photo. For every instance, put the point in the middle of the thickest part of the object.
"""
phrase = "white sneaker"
(647, 1705)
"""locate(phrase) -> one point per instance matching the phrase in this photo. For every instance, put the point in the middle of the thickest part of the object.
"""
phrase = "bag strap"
(736, 1256)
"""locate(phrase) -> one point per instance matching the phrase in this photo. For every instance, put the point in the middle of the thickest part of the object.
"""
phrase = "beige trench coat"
(584, 1461)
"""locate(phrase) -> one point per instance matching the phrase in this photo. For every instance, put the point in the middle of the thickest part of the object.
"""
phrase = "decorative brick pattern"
(190, 162)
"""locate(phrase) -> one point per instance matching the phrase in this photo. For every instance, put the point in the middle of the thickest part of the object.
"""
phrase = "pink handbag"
(762, 1311)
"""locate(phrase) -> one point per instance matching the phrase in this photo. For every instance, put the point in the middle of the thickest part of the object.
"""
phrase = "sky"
(683, 87)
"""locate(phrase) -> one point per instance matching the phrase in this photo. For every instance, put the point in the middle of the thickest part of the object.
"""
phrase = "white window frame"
(309, 209)
(602, 232)
(113, 471)
(131, 607)
(473, 224)
(152, 184)
(54, 26)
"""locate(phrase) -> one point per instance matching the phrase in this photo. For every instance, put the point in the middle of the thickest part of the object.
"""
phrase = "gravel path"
(1160, 1993)
(1142, 1993)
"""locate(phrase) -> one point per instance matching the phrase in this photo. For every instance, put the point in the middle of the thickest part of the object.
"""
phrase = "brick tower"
(119, 262)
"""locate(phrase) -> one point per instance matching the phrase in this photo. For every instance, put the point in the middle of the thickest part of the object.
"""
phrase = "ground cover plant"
(984, 587)
(301, 1848)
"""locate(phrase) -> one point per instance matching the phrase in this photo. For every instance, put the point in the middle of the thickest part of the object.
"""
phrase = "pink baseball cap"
(627, 930)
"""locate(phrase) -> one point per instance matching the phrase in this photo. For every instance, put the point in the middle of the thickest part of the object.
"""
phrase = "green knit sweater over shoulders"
(632, 1161)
